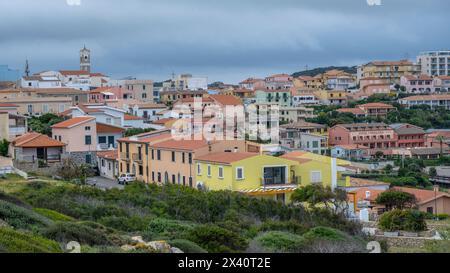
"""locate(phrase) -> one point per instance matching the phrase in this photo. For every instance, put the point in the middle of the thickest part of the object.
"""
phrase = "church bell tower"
(85, 60)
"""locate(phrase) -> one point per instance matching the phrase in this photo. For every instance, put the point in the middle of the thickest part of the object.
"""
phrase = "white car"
(126, 178)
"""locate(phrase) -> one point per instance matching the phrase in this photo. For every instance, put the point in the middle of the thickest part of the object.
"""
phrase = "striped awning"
(271, 190)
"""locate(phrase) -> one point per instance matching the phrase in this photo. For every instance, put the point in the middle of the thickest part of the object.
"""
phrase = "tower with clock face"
(85, 60)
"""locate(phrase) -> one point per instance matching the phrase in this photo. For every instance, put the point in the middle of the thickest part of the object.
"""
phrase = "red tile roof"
(74, 72)
(36, 140)
(427, 97)
(72, 122)
(422, 196)
(226, 100)
(376, 105)
(112, 154)
(225, 158)
(354, 111)
(107, 128)
(130, 117)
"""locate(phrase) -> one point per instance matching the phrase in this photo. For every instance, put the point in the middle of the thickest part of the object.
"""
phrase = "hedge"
(12, 241)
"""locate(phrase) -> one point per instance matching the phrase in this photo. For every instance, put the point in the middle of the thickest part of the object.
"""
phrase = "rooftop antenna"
(27, 68)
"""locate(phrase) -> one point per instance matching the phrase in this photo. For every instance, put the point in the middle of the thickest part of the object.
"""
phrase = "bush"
(160, 228)
(187, 246)
(289, 226)
(12, 241)
(14, 200)
(84, 233)
(216, 239)
(405, 220)
(53, 215)
(278, 241)
(21, 218)
(4, 147)
(325, 233)
(127, 224)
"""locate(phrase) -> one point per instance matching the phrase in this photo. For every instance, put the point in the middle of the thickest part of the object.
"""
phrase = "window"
(316, 177)
(30, 108)
(128, 167)
(146, 149)
(153, 154)
(158, 154)
(120, 146)
(102, 140)
(144, 95)
(45, 108)
(103, 163)
(109, 120)
(153, 176)
(199, 169)
(109, 166)
(159, 177)
(239, 173)
(190, 158)
(173, 156)
(88, 159)
(87, 128)
(141, 170)
(62, 107)
(209, 170)
(221, 172)
(87, 140)
(173, 179)
(183, 158)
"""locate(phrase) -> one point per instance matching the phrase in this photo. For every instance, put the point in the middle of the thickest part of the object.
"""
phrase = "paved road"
(104, 183)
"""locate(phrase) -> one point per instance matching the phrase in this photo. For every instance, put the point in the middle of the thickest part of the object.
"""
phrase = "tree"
(388, 169)
(44, 123)
(4, 147)
(379, 155)
(432, 172)
(393, 199)
(137, 131)
(314, 195)
(441, 140)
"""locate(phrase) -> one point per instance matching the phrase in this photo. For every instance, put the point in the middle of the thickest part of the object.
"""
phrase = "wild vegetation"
(53, 214)
(44, 123)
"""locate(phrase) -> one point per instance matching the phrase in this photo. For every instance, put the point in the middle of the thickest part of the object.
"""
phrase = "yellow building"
(391, 71)
(266, 176)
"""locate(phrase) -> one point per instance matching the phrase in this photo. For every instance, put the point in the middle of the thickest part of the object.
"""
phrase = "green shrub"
(289, 226)
(279, 241)
(83, 233)
(12, 241)
(53, 215)
(127, 224)
(406, 220)
(21, 218)
(324, 233)
(216, 239)
(14, 200)
(443, 216)
(160, 228)
(187, 246)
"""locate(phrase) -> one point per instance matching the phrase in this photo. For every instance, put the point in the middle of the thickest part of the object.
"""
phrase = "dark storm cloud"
(225, 40)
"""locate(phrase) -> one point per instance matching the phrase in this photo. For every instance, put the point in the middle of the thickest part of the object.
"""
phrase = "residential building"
(315, 83)
(252, 84)
(376, 109)
(432, 101)
(33, 147)
(169, 97)
(434, 63)
(107, 163)
(305, 136)
(390, 71)
(409, 136)
(12, 125)
(130, 121)
(376, 136)
(32, 106)
(80, 135)
(418, 84)
(77, 96)
(142, 90)
(40, 82)
(282, 97)
(442, 83)
(158, 158)
(302, 98)
(279, 81)
(147, 111)
(332, 97)
(295, 114)
(108, 135)
(338, 80)
(249, 173)
(436, 138)
(243, 93)
(350, 152)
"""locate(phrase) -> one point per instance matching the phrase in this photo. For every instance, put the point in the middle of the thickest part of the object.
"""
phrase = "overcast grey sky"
(226, 40)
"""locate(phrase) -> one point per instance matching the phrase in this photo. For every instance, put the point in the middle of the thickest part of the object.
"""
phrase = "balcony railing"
(270, 182)
(137, 157)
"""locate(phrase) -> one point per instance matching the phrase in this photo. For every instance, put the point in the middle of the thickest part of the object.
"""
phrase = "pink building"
(279, 81)
(376, 136)
(80, 135)
(418, 84)
(105, 94)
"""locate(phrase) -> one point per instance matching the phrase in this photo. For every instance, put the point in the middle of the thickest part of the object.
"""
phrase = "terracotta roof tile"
(112, 154)
(130, 117)
(225, 158)
(107, 128)
(72, 122)
(36, 140)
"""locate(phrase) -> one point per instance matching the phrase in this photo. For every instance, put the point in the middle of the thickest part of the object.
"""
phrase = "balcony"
(125, 156)
(137, 157)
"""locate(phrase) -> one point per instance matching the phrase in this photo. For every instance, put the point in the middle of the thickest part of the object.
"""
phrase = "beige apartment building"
(31, 106)
(390, 71)
(142, 89)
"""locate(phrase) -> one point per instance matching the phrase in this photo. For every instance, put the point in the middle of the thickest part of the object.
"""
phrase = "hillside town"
(377, 128)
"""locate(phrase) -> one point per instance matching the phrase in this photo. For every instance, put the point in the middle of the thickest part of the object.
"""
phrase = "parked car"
(126, 178)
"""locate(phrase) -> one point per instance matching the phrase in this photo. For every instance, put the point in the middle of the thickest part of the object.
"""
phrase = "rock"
(176, 250)
(159, 246)
(138, 239)
(3, 223)
(128, 248)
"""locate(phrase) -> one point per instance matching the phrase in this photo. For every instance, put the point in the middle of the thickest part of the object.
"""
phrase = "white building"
(434, 63)
(197, 83)
(37, 81)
